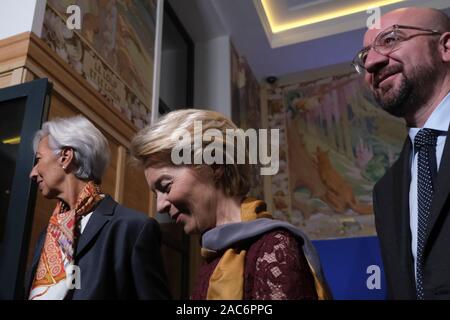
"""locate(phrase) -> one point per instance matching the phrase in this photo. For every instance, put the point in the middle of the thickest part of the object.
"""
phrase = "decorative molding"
(17, 76)
(13, 52)
(332, 26)
(28, 51)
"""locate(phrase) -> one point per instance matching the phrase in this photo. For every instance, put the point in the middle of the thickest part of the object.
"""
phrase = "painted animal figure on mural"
(303, 171)
(317, 174)
(339, 195)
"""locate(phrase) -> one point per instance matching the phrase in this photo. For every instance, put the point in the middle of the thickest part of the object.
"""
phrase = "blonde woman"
(248, 255)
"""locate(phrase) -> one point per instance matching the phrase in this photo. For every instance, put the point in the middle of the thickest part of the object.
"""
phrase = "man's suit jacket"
(391, 204)
(118, 254)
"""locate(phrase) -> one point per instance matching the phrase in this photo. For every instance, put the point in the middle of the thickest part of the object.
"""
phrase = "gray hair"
(91, 150)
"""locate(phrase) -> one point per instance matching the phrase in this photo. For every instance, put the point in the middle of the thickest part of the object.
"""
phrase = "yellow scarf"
(227, 280)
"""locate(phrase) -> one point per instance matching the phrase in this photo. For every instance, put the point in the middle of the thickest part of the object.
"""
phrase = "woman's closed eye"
(164, 186)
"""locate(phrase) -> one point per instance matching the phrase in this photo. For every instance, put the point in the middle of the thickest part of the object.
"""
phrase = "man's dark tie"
(425, 144)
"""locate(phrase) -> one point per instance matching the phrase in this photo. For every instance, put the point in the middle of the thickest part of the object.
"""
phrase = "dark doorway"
(23, 108)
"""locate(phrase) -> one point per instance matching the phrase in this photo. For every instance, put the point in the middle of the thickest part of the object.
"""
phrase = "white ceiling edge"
(307, 5)
(333, 26)
(263, 18)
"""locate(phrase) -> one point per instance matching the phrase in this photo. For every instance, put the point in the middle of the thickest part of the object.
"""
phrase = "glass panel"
(22, 109)
(11, 120)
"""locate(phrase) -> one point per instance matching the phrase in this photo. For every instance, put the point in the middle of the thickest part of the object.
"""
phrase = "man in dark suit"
(406, 64)
(118, 255)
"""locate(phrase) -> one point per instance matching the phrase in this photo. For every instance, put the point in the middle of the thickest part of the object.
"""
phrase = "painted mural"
(246, 108)
(335, 144)
(114, 50)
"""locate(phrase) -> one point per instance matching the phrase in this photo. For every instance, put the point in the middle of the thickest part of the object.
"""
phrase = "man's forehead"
(370, 35)
(407, 16)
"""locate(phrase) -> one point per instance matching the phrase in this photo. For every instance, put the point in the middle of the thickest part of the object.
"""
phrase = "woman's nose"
(33, 173)
(162, 204)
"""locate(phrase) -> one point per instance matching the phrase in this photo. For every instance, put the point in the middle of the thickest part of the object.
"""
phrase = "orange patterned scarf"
(62, 233)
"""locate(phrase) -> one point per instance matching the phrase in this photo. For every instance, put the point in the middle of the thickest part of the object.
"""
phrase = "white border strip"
(157, 61)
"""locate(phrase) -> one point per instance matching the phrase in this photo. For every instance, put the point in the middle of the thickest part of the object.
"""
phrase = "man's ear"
(444, 45)
(67, 157)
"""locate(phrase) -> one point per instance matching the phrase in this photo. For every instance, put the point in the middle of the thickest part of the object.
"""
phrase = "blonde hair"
(153, 145)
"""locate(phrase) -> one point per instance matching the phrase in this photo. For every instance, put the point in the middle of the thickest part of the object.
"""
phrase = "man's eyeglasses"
(386, 41)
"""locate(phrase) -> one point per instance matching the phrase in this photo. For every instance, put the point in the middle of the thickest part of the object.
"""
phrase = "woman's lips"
(176, 216)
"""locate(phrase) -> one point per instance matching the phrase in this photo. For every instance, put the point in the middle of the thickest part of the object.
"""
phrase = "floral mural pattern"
(246, 109)
(335, 144)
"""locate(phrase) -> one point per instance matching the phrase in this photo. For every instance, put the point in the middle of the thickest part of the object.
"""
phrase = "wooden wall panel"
(109, 178)
(60, 109)
(13, 52)
(5, 80)
(135, 189)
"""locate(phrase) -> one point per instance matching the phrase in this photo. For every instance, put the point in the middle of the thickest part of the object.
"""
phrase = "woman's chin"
(187, 230)
(190, 230)
(46, 194)
(43, 192)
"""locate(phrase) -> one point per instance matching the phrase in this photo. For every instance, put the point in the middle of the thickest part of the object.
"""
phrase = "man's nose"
(375, 61)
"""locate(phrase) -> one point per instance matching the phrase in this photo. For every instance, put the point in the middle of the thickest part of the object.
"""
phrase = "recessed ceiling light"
(348, 10)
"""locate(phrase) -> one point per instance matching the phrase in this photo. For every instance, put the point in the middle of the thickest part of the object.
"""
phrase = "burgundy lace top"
(275, 269)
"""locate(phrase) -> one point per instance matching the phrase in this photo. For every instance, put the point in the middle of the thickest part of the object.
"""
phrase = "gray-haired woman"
(93, 248)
